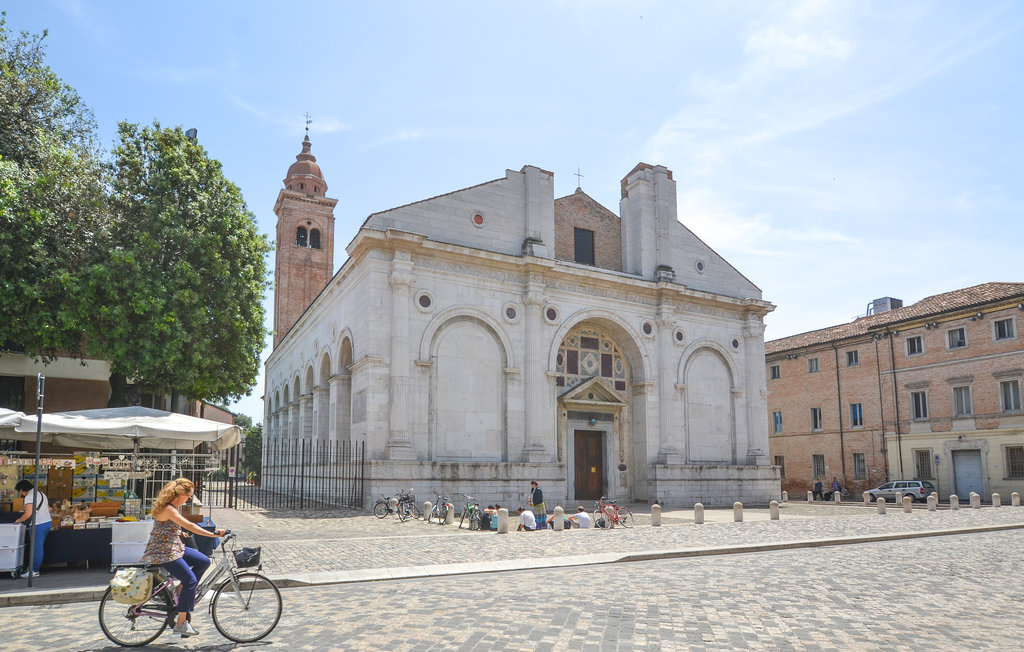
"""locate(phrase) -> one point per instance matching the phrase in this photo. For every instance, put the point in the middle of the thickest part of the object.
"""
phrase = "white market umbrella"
(10, 418)
(127, 427)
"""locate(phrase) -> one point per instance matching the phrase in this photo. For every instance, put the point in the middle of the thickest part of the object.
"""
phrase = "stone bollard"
(773, 510)
(393, 503)
(908, 504)
(655, 515)
(880, 503)
(899, 497)
(837, 497)
(933, 502)
(997, 500)
(502, 521)
(867, 499)
(450, 518)
(427, 506)
(785, 496)
(559, 520)
(954, 502)
(737, 512)
(698, 514)
(975, 500)
(608, 514)
(934, 493)
(1015, 499)
(810, 496)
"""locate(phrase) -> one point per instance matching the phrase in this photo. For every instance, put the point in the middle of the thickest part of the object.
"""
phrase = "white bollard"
(773, 510)
(880, 505)
(427, 506)
(933, 502)
(698, 514)
(867, 499)
(394, 503)
(1015, 499)
(837, 497)
(559, 518)
(608, 514)
(737, 512)
(655, 515)
(997, 500)
(908, 504)
(975, 501)
(954, 502)
(785, 496)
(450, 518)
(810, 496)
(502, 521)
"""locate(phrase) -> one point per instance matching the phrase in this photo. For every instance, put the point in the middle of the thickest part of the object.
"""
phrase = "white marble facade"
(470, 360)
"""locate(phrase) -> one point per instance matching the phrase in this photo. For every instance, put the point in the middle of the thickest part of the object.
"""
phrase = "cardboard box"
(105, 508)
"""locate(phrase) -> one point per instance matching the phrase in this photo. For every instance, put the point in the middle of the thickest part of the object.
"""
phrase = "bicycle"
(472, 512)
(245, 607)
(439, 510)
(620, 515)
(407, 506)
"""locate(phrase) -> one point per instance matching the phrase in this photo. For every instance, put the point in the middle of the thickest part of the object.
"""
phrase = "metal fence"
(295, 474)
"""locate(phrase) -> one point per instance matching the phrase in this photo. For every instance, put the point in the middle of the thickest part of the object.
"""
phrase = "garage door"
(967, 469)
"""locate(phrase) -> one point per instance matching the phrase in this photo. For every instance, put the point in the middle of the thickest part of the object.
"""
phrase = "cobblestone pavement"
(959, 592)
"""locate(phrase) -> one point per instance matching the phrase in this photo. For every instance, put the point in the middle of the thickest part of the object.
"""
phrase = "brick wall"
(579, 210)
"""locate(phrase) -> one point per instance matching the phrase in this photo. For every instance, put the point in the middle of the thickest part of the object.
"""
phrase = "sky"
(833, 152)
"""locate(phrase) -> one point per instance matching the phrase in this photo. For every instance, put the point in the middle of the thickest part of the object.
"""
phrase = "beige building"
(494, 335)
(929, 391)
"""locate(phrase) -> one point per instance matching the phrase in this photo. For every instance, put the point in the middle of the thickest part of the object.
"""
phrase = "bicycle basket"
(247, 557)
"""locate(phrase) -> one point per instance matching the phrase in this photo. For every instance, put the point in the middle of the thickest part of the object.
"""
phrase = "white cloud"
(326, 125)
(778, 49)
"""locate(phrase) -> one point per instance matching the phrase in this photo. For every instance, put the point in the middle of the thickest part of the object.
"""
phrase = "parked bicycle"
(472, 512)
(620, 515)
(405, 506)
(245, 607)
(440, 509)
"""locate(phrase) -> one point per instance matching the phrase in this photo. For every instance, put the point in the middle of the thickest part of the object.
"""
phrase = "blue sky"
(833, 152)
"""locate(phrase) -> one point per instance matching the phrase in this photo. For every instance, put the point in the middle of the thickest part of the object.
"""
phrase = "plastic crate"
(11, 559)
(127, 552)
(131, 532)
(12, 535)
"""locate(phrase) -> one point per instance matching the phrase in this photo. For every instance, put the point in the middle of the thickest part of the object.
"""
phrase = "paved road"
(954, 592)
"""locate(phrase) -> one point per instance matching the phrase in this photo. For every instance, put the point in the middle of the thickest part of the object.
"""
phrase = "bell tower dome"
(304, 260)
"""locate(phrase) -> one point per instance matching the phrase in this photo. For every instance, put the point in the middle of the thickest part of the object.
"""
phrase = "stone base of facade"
(682, 486)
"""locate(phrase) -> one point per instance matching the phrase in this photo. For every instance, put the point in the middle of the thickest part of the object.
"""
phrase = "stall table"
(68, 545)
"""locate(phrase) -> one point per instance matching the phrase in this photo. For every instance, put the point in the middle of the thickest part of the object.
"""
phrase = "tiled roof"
(962, 299)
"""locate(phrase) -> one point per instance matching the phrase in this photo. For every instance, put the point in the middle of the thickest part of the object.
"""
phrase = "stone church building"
(494, 335)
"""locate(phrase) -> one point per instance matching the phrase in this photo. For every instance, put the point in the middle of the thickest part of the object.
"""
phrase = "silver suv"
(916, 489)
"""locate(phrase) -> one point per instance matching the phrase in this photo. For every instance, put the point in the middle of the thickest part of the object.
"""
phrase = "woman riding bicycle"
(166, 548)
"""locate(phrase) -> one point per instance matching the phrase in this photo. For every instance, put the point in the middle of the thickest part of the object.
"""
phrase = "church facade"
(495, 335)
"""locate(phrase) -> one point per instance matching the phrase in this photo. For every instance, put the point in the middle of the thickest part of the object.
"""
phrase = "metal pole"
(40, 384)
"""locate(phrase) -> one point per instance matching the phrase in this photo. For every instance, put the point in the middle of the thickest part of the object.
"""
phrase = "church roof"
(947, 302)
(305, 165)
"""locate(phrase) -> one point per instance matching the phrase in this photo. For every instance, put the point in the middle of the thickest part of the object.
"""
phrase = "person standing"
(165, 547)
(818, 490)
(537, 501)
(35, 503)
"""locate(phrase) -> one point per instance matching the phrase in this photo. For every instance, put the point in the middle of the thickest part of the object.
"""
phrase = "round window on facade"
(679, 337)
(700, 266)
(551, 314)
(424, 301)
(648, 328)
(478, 219)
(511, 313)
(735, 343)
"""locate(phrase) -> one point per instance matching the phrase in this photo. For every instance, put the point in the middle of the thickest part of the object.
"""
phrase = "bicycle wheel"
(625, 517)
(125, 625)
(380, 510)
(474, 520)
(248, 614)
(404, 512)
(601, 520)
(415, 511)
(462, 519)
(442, 515)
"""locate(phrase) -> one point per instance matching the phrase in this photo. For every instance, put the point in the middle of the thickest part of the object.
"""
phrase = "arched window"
(314, 238)
(300, 236)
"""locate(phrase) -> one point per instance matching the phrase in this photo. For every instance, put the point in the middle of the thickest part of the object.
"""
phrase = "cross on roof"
(578, 177)
(309, 121)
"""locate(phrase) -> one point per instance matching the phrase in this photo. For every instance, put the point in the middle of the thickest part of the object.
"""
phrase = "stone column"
(306, 416)
(756, 393)
(669, 451)
(533, 372)
(293, 420)
(341, 405)
(399, 445)
(321, 412)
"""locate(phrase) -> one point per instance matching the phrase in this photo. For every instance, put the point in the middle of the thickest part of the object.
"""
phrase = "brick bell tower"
(304, 260)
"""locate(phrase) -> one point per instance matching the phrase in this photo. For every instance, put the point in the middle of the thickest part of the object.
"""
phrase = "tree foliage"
(177, 296)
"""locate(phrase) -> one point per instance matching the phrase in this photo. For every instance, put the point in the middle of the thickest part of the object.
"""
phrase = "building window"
(919, 401)
(957, 338)
(852, 359)
(587, 353)
(923, 465)
(860, 468)
(584, 240)
(1015, 461)
(812, 366)
(776, 422)
(780, 462)
(856, 415)
(301, 236)
(816, 418)
(1009, 395)
(962, 401)
(915, 346)
(818, 466)
(1004, 329)
(314, 238)
(775, 372)
(12, 392)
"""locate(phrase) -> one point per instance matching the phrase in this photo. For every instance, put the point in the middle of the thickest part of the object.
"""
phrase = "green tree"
(176, 296)
(51, 199)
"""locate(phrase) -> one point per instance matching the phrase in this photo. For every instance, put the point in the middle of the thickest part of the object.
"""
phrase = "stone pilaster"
(340, 387)
(306, 416)
(533, 373)
(756, 401)
(399, 446)
(321, 412)
(293, 420)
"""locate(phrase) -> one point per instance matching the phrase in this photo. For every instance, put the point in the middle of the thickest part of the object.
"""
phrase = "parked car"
(916, 489)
